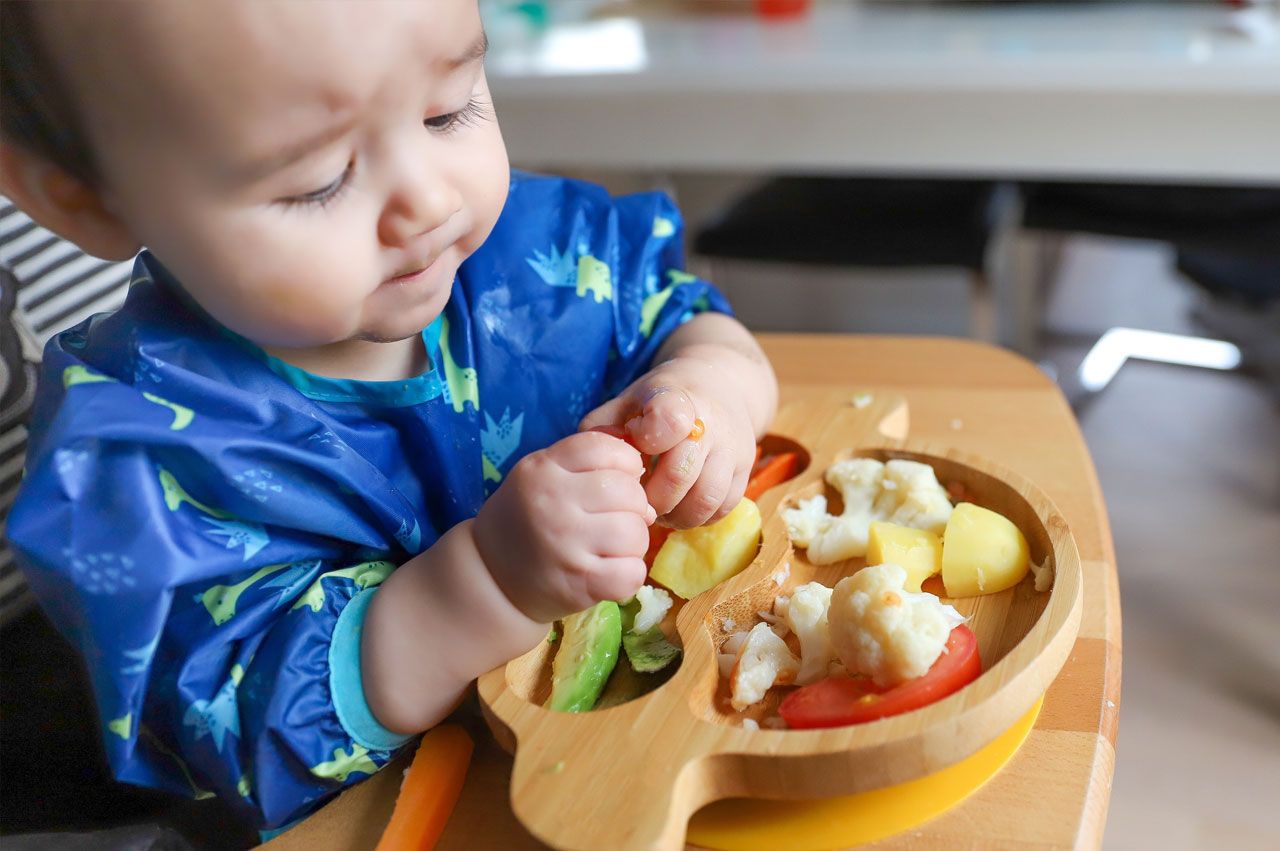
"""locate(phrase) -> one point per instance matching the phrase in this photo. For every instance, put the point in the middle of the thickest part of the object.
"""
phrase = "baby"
(334, 457)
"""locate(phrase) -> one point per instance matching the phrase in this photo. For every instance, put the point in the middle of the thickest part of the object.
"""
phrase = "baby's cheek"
(318, 293)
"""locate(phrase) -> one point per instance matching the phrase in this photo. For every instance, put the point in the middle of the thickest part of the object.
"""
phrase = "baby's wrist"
(437, 623)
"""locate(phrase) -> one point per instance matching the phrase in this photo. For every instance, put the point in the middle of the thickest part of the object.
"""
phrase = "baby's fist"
(568, 527)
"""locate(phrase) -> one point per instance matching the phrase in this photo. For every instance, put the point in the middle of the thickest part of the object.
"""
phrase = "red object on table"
(781, 8)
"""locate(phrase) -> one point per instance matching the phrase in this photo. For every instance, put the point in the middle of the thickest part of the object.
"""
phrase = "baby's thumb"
(611, 413)
(666, 417)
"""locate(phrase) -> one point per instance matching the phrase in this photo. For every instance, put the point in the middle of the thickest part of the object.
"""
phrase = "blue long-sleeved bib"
(207, 524)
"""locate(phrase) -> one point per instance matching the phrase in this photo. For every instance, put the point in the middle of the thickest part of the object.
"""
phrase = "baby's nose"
(419, 203)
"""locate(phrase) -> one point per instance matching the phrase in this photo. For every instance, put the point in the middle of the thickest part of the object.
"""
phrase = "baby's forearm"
(437, 623)
(729, 349)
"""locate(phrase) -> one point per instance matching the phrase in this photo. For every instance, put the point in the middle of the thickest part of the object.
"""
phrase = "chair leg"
(982, 309)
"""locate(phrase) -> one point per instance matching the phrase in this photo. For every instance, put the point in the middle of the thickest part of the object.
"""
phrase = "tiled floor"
(1190, 467)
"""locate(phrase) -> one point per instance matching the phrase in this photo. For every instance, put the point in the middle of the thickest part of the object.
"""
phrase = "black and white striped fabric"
(48, 285)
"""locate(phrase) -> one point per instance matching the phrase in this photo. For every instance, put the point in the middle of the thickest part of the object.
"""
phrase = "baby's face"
(312, 172)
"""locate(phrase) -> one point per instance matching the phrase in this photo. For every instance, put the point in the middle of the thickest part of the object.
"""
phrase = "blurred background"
(1095, 185)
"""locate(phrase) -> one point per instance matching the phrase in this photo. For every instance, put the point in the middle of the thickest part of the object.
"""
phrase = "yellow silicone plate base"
(743, 824)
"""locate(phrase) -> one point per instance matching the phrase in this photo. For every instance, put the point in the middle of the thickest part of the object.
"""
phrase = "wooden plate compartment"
(629, 776)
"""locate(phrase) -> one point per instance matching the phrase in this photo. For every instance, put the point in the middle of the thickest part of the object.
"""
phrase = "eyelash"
(470, 115)
(327, 195)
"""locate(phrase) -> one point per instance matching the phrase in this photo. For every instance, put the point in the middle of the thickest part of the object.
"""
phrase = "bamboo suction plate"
(630, 776)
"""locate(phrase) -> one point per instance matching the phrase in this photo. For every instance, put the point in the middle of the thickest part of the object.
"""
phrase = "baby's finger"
(611, 413)
(607, 491)
(674, 475)
(617, 578)
(737, 489)
(591, 450)
(617, 535)
(666, 418)
(708, 494)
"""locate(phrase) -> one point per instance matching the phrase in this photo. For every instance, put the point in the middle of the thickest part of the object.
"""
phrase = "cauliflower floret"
(806, 614)
(844, 537)
(806, 519)
(903, 492)
(763, 660)
(858, 480)
(911, 496)
(654, 605)
(880, 629)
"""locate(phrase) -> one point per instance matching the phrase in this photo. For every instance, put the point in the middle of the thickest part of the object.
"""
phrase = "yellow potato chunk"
(917, 550)
(693, 560)
(982, 552)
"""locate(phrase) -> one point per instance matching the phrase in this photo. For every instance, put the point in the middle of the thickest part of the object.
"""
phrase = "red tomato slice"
(839, 701)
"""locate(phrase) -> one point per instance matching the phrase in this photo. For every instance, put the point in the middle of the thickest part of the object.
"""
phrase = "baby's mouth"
(413, 271)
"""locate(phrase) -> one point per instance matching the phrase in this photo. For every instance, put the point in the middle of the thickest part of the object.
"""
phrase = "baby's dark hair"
(35, 111)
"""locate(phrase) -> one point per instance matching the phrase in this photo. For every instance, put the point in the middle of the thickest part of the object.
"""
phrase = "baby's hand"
(698, 478)
(568, 527)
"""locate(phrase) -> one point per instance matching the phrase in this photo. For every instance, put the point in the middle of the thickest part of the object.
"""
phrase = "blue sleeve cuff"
(347, 685)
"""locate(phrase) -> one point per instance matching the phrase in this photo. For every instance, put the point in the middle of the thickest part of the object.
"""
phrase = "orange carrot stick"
(776, 470)
(431, 788)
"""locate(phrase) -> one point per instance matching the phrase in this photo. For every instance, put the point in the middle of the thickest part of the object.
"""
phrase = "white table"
(1133, 91)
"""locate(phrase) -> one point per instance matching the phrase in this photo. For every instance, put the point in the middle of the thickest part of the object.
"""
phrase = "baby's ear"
(63, 204)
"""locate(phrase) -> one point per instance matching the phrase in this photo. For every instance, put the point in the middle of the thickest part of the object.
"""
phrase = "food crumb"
(750, 724)
(957, 424)
(552, 636)
(1111, 704)
(862, 400)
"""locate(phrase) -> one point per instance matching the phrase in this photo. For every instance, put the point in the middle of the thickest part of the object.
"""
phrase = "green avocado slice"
(648, 651)
(589, 646)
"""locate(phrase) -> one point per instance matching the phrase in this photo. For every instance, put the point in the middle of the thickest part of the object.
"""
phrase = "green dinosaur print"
(365, 575)
(491, 473)
(593, 277)
(121, 726)
(221, 600)
(651, 307)
(345, 764)
(663, 227)
(462, 383)
(74, 375)
(243, 786)
(182, 415)
(175, 494)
